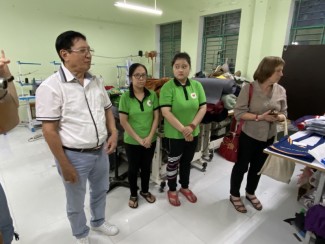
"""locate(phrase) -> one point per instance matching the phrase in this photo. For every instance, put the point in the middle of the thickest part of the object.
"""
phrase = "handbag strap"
(250, 93)
(241, 122)
(285, 126)
(285, 123)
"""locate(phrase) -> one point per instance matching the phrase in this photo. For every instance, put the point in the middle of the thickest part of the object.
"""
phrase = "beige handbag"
(277, 167)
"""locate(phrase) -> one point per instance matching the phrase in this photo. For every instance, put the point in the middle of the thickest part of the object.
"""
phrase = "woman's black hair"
(182, 56)
(133, 68)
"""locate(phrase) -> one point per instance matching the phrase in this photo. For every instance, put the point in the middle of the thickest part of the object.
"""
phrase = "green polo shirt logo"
(149, 103)
(193, 95)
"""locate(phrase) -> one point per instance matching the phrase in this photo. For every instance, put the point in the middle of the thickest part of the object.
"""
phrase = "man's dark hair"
(65, 40)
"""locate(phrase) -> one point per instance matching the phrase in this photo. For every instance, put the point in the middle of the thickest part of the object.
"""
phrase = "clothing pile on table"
(301, 123)
(298, 145)
(316, 125)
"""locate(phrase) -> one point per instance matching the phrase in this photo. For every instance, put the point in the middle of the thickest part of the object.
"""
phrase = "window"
(308, 25)
(170, 44)
(220, 40)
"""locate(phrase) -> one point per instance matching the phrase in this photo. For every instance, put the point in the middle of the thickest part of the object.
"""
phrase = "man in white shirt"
(76, 116)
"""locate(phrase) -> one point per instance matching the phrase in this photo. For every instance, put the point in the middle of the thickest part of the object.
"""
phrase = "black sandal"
(133, 202)
(148, 196)
(239, 207)
(257, 204)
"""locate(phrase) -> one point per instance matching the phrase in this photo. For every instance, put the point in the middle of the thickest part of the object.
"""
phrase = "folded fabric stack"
(316, 125)
(300, 123)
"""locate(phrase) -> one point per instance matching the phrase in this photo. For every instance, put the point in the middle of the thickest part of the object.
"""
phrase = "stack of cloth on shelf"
(219, 96)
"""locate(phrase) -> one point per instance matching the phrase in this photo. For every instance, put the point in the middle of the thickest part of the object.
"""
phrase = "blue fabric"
(6, 225)
(285, 146)
(94, 167)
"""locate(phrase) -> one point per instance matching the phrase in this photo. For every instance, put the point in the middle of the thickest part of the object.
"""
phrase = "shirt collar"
(146, 92)
(67, 76)
(178, 83)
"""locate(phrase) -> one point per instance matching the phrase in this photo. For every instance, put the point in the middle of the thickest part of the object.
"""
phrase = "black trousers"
(250, 153)
(180, 155)
(139, 158)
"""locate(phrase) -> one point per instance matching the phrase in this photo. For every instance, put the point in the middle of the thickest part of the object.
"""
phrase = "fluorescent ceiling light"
(139, 8)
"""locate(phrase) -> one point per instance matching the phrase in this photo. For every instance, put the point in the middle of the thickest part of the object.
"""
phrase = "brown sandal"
(257, 205)
(133, 202)
(239, 207)
(148, 196)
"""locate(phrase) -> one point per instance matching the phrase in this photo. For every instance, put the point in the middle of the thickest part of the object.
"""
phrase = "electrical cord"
(36, 137)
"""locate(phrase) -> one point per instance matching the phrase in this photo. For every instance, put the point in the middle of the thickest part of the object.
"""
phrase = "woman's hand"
(281, 117)
(187, 131)
(267, 116)
(189, 138)
(147, 142)
(140, 140)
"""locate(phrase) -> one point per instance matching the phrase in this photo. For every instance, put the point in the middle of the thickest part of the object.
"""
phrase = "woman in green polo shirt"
(183, 105)
(138, 110)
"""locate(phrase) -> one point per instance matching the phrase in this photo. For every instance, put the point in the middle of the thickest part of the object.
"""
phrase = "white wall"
(29, 36)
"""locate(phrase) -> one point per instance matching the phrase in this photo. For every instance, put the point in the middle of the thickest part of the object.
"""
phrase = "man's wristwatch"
(4, 82)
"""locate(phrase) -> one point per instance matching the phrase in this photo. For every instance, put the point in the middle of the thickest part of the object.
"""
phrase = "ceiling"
(105, 11)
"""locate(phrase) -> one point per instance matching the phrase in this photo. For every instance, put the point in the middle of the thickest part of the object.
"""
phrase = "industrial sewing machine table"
(117, 180)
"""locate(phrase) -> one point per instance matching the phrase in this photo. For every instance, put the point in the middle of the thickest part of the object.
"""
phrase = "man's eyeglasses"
(83, 50)
(138, 76)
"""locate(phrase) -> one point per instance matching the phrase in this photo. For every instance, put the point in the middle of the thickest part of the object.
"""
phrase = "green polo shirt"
(184, 102)
(140, 113)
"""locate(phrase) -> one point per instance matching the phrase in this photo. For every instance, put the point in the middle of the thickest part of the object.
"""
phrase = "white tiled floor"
(37, 201)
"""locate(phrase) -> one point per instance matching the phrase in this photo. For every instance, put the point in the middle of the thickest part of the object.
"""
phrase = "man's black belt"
(83, 149)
